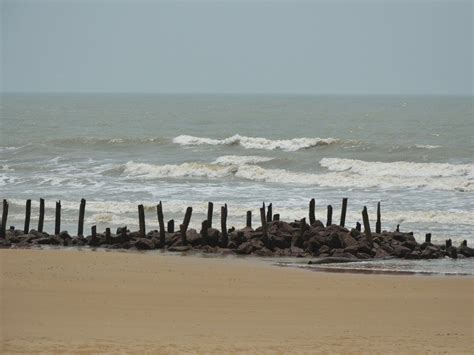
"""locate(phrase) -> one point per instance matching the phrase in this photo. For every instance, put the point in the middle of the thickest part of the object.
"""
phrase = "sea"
(413, 154)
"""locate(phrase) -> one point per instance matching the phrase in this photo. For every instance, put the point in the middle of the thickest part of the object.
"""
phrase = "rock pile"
(297, 239)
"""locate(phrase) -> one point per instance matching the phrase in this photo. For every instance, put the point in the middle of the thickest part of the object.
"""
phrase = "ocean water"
(414, 154)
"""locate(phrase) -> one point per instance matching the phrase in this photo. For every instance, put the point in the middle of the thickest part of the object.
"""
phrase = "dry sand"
(72, 301)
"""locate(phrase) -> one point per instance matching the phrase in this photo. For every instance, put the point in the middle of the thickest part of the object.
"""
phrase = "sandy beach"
(83, 301)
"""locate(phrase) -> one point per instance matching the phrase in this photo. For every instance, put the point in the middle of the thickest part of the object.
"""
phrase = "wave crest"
(289, 145)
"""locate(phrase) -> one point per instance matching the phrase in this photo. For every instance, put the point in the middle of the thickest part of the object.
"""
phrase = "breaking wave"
(289, 145)
(342, 173)
(399, 168)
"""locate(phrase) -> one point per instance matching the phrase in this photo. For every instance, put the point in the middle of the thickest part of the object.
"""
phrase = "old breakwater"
(272, 237)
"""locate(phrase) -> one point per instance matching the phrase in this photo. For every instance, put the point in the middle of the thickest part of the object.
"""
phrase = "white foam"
(193, 169)
(289, 145)
(345, 173)
(241, 159)
(427, 146)
(398, 168)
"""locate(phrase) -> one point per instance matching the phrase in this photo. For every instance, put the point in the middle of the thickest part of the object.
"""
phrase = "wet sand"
(73, 301)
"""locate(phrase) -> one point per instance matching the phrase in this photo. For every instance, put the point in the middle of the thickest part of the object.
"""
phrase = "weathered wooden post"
(264, 222)
(108, 237)
(204, 227)
(57, 220)
(94, 240)
(27, 217)
(464, 243)
(343, 212)
(378, 224)
(329, 216)
(170, 226)
(41, 216)
(398, 228)
(449, 243)
(182, 231)
(4, 219)
(184, 227)
(123, 234)
(141, 220)
(428, 238)
(80, 223)
(365, 219)
(161, 222)
(269, 213)
(358, 227)
(276, 217)
(249, 219)
(302, 228)
(312, 216)
(225, 236)
(210, 209)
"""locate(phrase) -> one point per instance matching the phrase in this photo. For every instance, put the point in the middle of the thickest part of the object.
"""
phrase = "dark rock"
(410, 244)
(380, 254)
(400, 251)
(466, 251)
(348, 240)
(430, 252)
(214, 237)
(452, 252)
(193, 237)
(144, 244)
(353, 249)
(413, 255)
(335, 241)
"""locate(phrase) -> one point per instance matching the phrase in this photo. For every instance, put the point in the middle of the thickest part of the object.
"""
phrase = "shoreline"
(324, 265)
(55, 301)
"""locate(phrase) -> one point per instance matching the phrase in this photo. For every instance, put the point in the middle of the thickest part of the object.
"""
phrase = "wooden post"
(302, 227)
(184, 227)
(225, 236)
(4, 219)
(41, 216)
(365, 219)
(428, 238)
(398, 228)
(27, 217)
(378, 224)
(94, 240)
(123, 234)
(449, 243)
(264, 222)
(182, 230)
(249, 219)
(210, 208)
(204, 227)
(161, 222)
(464, 243)
(170, 226)
(358, 226)
(57, 220)
(269, 213)
(80, 223)
(187, 217)
(276, 217)
(108, 237)
(312, 216)
(141, 220)
(329, 216)
(343, 212)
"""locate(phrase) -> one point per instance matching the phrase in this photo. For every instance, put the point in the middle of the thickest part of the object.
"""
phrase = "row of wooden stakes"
(266, 216)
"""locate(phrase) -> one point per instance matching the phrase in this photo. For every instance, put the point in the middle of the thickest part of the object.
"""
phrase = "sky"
(279, 47)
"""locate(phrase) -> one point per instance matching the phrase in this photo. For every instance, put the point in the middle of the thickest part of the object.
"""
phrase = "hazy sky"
(322, 47)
